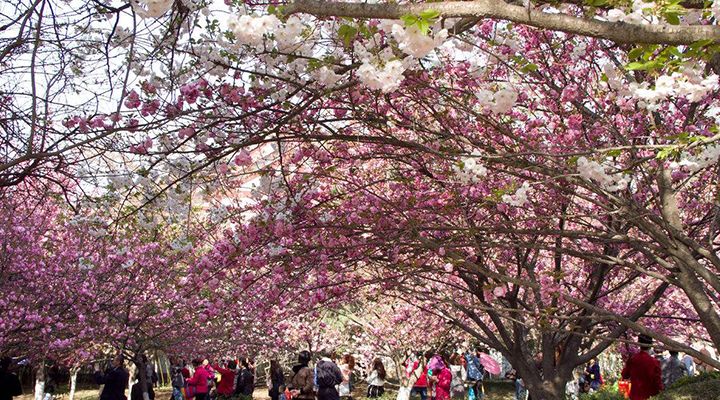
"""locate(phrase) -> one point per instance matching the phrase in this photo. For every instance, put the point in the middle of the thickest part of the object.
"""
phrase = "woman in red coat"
(442, 377)
(644, 372)
(199, 380)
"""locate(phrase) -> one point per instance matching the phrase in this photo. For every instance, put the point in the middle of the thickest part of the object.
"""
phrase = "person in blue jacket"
(475, 373)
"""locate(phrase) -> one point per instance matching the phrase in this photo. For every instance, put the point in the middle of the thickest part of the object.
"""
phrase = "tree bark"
(73, 381)
(618, 32)
(142, 376)
(40, 381)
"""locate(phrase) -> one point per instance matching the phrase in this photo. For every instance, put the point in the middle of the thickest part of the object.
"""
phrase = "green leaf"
(430, 15)
(614, 153)
(347, 33)
(409, 20)
(529, 68)
(672, 18)
(665, 153)
(633, 66)
(423, 26)
(636, 53)
(700, 44)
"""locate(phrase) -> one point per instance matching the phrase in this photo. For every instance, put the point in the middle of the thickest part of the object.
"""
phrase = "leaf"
(423, 26)
(634, 66)
(409, 20)
(672, 18)
(614, 153)
(636, 53)
(347, 33)
(665, 153)
(430, 15)
(529, 68)
(700, 44)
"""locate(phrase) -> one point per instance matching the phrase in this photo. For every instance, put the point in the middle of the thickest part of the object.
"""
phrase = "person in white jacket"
(376, 379)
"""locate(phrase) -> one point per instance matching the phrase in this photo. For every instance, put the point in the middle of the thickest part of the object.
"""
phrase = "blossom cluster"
(707, 157)
(499, 102)
(386, 78)
(251, 30)
(415, 43)
(152, 8)
(636, 16)
(520, 197)
(689, 84)
(471, 171)
(594, 171)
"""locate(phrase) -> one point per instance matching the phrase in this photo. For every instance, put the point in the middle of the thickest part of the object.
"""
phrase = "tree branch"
(618, 32)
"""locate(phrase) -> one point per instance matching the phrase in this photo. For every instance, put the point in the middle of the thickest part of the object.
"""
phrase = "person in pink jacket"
(199, 380)
(442, 377)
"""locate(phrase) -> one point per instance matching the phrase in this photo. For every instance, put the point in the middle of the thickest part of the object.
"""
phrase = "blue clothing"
(475, 370)
(593, 375)
(420, 391)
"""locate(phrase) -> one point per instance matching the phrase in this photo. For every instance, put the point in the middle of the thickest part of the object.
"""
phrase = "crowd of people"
(427, 376)
(645, 374)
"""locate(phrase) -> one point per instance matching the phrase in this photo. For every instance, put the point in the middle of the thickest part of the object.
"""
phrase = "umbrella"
(490, 364)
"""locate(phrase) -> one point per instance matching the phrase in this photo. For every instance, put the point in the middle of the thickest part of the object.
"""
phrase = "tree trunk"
(548, 390)
(40, 382)
(131, 382)
(142, 377)
(73, 381)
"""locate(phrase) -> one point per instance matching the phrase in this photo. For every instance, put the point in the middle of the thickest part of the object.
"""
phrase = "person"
(246, 379)
(420, 372)
(521, 392)
(115, 379)
(283, 392)
(442, 378)
(327, 377)
(459, 376)
(475, 373)
(198, 383)
(672, 369)
(346, 368)
(376, 379)
(275, 379)
(643, 371)
(137, 393)
(9, 382)
(152, 377)
(226, 386)
(52, 382)
(177, 380)
(689, 364)
(301, 383)
(592, 374)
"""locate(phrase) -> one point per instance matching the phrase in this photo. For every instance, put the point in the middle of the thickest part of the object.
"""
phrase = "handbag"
(403, 393)
(624, 388)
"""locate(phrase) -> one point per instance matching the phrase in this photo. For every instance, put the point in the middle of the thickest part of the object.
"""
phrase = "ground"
(494, 391)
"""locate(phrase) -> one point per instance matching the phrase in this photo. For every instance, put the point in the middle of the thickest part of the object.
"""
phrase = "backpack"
(324, 375)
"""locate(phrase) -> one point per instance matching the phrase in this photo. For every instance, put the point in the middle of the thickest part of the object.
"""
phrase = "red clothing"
(422, 380)
(185, 373)
(200, 379)
(645, 376)
(227, 381)
(442, 388)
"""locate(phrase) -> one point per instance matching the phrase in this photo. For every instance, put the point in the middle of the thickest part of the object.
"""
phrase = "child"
(282, 393)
